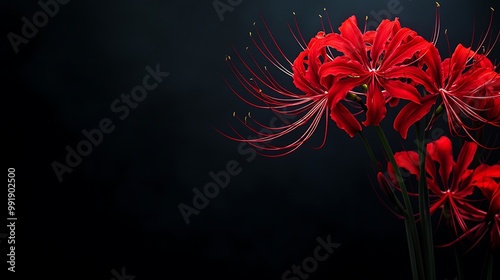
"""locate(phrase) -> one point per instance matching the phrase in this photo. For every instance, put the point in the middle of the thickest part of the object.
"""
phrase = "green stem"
(488, 266)
(369, 149)
(394, 199)
(423, 202)
(411, 229)
(458, 262)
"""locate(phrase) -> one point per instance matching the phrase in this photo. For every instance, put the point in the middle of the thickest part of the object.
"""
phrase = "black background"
(119, 207)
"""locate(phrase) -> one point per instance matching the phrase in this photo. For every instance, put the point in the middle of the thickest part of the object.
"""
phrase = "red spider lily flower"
(381, 60)
(450, 183)
(308, 107)
(467, 85)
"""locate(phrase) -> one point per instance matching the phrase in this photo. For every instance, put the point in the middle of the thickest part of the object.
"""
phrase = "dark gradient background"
(119, 207)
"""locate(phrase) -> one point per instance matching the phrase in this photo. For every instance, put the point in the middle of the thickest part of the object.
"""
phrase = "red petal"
(375, 103)
(407, 160)
(434, 68)
(402, 90)
(393, 102)
(482, 61)
(472, 81)
(368, 38)
(307, 79)
(484, 170)
(458, 62)
(350, 31)
(411, 113)
(416, 74)
(488, 187)
(401, 37)
(484, 178)
(340, 88)
(384, 32)
(341, 67)
(344, 119)
(404, 51)
(463, 161)
(300, 75)
(441, 151)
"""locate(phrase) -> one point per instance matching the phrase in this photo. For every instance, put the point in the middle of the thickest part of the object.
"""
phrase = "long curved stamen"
(322, 23)
(483, 40)
(274, 41)
(304, 46)
(456, 122)
(314, 114)
(328, 18)
(437, 26)
(268, 55)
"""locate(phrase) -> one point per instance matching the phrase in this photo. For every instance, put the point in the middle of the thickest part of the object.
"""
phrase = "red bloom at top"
(467, 90)
(466, 85)
(381, 60)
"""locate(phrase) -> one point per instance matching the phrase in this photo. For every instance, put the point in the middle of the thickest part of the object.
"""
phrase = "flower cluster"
(354, 76)
(354, 72)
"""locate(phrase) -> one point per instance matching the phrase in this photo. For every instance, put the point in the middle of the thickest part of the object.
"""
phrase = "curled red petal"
(408, 160)
(458, 62)
(340, 67)
(350, 31)
(404, 51)
(463, 161)
(375, 102)
(434, 68)
(345, 119)
(383, 33)
(415, 74)
(441, 151)
(398, 89)
(412, 113)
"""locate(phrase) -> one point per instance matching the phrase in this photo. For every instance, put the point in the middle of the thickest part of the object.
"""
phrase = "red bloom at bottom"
(451, 186)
